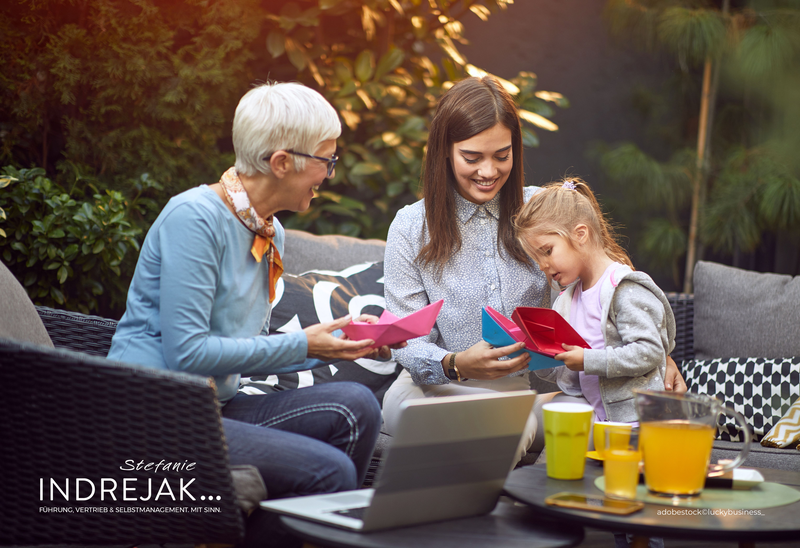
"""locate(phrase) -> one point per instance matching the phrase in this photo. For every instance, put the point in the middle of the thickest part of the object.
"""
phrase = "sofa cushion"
(321, 296)
(785, 432)
(761, 389)
(759, 457)
(304, 252)
(19, 320)
(739, 313)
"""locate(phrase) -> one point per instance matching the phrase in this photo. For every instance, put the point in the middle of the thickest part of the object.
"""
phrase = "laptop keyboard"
(356, 513)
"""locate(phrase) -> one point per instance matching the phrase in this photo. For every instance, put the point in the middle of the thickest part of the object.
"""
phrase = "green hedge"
(60, 247)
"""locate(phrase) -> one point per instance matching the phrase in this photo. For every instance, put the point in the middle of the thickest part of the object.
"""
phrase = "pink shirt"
(585, 314)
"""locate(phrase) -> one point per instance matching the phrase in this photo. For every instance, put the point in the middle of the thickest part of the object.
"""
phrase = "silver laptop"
(449, 459)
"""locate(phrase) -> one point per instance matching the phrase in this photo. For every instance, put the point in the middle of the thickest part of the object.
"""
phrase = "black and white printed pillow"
(321, 296)
(761, 389)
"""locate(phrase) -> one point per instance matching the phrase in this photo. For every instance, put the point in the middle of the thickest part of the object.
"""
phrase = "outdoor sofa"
(71, 412)
(737, 336)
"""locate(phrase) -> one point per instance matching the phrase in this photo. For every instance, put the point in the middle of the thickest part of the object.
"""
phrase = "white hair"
(281, 116)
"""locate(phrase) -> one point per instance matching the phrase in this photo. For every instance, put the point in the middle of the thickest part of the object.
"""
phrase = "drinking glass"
(599, 434)
(621, 458)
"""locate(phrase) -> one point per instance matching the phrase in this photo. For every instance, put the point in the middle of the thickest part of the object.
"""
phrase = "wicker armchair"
(68, 414)
(683, 309)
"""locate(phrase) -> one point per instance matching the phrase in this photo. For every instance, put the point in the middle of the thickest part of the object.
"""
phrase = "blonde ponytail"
(561, 206)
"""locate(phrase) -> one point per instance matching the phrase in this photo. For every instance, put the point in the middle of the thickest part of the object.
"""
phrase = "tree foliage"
(109, 89)
(107, 96)
(105, 90)
(384, 74)
(754, 172)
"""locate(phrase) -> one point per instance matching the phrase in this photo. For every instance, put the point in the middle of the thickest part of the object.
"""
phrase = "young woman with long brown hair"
(458, 244)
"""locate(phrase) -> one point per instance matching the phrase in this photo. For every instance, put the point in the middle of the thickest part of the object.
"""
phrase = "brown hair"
(557, 209)
(471, 106)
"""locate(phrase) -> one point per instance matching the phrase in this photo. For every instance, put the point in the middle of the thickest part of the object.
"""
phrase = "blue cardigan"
(199, 302)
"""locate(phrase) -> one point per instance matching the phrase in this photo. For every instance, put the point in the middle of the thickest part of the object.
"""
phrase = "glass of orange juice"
(676, 435)
(599, 434)
(621, 458)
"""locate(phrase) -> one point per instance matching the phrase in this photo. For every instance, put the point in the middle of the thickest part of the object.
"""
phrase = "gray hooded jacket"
(639, 331)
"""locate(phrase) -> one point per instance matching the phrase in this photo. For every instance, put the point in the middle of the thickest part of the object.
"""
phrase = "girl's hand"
(673, 380)
(324, 346)
(481, 361)
(385, 351)
(572, 358)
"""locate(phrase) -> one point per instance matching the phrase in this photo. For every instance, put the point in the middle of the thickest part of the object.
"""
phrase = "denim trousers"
(317, 439)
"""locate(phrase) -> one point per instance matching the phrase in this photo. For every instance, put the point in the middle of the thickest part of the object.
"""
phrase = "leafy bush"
(60, 247)
(110, 89)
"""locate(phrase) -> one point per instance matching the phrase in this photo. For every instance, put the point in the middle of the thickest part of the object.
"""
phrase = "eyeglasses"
(331, 162)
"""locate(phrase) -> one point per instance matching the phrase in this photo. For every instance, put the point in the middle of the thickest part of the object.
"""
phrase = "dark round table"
(508, 526)
(531, 485)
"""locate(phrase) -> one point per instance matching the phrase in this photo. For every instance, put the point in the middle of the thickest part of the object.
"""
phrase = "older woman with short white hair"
(200, 301)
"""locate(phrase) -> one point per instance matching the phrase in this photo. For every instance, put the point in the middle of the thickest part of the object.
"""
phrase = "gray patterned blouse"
(476, 276)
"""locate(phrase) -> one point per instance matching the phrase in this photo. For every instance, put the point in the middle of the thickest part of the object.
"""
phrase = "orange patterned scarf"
(263, 229)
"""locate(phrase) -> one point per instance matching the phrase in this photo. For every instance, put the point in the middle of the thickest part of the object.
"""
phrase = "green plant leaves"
(54, 233)
(780, 202)
(276, 44)
(388, 62)
(365, 168)
(693, 34)
(296, 55)
(663, 240)
(365, 66)
(765, 49)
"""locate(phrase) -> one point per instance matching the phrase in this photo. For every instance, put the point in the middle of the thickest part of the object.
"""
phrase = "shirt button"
(488, 253)
(492, 287)
(483, 221)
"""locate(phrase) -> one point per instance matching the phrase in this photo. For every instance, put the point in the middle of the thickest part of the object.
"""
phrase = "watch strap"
(452, 370)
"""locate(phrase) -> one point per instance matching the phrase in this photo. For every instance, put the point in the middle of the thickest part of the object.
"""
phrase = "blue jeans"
(317, 439)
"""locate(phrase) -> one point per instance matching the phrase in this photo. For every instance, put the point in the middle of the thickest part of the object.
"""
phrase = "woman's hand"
(673, 380)
(324, 346)
(572, 358)
(481, 361)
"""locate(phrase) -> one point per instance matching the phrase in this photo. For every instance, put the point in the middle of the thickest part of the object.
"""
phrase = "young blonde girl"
(621, 313)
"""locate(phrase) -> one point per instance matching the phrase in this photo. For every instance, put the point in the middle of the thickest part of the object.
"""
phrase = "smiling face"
(301, 186)
(557, 258)
(482, 163)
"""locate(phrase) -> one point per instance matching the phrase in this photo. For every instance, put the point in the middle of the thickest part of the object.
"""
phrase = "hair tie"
(569, 185)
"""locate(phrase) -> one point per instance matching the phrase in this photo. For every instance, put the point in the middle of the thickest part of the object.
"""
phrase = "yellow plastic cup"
(599, 437)
(566, 438)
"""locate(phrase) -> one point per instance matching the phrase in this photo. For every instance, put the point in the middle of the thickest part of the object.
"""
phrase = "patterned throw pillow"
(321, 296)
(786, 431)
(761, 389)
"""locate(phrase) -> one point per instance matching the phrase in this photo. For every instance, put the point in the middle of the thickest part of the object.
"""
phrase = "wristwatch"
(452, 370)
